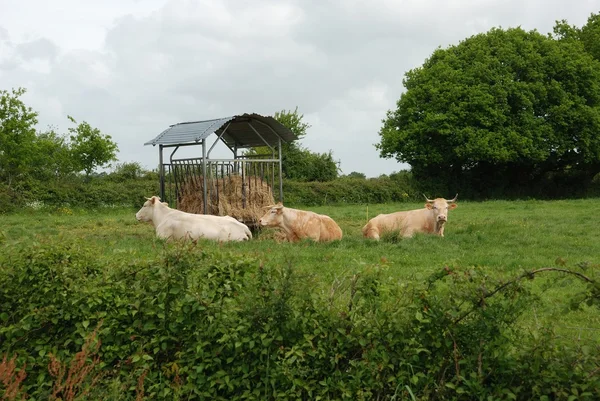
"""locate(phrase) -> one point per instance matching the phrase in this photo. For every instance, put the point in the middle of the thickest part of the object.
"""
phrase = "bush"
(398, 187)
(195, 324)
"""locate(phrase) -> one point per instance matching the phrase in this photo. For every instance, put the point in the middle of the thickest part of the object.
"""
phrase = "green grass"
(499, 239)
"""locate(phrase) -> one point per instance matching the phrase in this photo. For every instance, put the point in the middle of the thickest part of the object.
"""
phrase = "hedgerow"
(204, 324)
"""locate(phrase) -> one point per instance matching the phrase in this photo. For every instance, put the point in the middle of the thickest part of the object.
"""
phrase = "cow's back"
(389, 222)
(406, 223)
(307, 224)
(330, 230)
(182, 225)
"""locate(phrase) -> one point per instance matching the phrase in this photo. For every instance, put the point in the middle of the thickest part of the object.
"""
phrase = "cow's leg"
(408, 232)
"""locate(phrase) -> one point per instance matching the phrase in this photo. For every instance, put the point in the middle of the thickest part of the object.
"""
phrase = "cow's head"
(440, 208)
(147, 211)
(273, 217)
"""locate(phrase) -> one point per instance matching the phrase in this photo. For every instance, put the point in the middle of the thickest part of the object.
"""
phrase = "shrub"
(198, 324)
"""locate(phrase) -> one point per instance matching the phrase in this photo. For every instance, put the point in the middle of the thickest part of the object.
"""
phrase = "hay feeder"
(239, 186)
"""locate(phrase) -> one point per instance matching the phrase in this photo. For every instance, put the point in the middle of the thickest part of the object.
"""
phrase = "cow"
(300, 224)
(175, 224)
(432, 219)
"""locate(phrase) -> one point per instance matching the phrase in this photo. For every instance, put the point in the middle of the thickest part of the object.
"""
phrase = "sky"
(133, 67)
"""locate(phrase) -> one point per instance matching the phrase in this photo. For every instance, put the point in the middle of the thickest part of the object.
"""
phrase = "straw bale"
(229, 201)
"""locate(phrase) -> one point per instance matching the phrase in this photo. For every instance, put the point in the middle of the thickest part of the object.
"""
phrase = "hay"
(225, 197)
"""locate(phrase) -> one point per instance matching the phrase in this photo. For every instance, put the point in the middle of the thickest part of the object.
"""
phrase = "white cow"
(175, 224)
(431, 219)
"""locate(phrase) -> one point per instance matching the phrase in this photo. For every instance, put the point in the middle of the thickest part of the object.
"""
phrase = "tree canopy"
(27, 154)
(502, 108)
(298, 162)
(90, 148)
(17, 135)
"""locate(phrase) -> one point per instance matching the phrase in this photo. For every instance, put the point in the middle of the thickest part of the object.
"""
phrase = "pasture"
(500, 239)
(487, 242)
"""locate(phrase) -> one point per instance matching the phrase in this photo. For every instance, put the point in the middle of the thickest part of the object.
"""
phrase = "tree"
(292, 120)
(497, 110)
(90, 148)
(52, 158)
(17, 135)
(356, 174)
(127, 171)
(299, 163)
(588, 35)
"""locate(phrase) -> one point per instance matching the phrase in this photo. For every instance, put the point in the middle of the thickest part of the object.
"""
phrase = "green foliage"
(398, 187)
(128, 171)
(588, 35)
(356, 174)
(17, 136)
(299, 163)
(501, 110)
(52, 158)
(200, 324)
(303, 165)
(292, 120)
(90, 148)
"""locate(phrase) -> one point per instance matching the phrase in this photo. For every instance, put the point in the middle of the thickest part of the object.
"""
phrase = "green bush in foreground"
(199, 324)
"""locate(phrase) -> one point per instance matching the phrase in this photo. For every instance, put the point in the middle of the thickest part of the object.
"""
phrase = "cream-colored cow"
(175, 224)
(301, 224)
(432, 219)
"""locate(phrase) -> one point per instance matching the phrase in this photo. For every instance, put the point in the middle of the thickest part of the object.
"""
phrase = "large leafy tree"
(90, 148)
(17, 136)
(507, 105)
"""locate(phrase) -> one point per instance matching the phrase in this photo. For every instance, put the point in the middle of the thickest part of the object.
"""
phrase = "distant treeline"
(128, 185)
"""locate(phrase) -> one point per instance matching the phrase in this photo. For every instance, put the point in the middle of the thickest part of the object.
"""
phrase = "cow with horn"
(431, 219)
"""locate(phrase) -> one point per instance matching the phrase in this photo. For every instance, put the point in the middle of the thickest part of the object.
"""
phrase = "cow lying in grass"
(301, 224)
(175, 224)
(432, 219)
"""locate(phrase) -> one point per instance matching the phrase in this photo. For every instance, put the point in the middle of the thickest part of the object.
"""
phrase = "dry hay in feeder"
(225, 197)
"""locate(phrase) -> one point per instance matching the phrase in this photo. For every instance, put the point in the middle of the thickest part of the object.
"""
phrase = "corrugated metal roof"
(239, 132)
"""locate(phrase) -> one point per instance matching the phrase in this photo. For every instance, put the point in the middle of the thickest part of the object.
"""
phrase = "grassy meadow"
(355, 319)
(499, 239)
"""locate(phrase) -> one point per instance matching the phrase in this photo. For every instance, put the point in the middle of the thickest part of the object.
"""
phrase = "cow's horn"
(428, 200)
(454, 199)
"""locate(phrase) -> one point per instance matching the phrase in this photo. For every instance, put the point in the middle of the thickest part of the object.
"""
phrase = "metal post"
(204, 174)
(235, 165)
(161, 169)
(280, 172)
(243, 184)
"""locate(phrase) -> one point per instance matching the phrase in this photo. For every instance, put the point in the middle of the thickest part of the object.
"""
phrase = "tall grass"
(357, 301)
(497, 238)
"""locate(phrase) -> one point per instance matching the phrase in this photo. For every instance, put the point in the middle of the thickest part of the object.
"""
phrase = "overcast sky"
(133, 67)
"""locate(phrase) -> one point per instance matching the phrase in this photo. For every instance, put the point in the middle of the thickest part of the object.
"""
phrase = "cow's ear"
(428, 205)
(153, 199)
(453, 206)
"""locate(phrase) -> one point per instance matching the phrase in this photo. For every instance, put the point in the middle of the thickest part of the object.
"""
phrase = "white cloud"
(132, 68)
